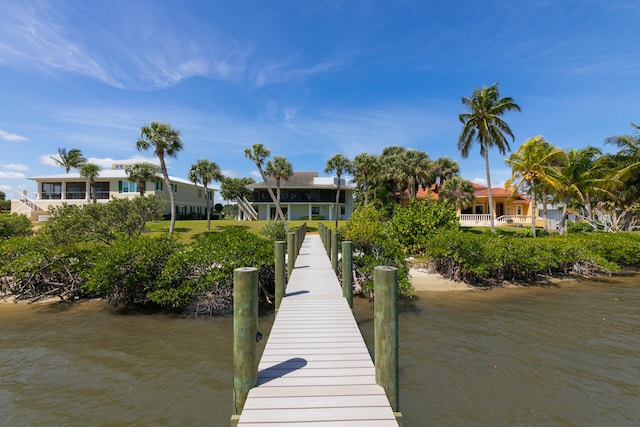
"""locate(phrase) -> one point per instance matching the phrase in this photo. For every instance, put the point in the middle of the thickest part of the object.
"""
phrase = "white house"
(304, 195)
(71, 188)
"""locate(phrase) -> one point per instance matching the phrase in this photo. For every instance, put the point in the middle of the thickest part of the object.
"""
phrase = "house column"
(289, 212)
(268, 213)
(309, 216)
(63, 190)
(331, 208)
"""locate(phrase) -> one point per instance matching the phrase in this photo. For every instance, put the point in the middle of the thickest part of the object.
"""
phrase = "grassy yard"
(190, 229)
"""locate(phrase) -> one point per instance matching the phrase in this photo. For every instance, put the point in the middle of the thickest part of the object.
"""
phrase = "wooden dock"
(316, 369)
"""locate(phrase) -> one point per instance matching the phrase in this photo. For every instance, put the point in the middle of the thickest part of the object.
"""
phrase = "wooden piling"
(347, 271)
(279, 272)
(291, 251)
(334, 251)
(385, 329)
(245, 334)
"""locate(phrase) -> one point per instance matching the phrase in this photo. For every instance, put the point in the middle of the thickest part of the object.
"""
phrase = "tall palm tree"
(68, 160)
(258, 153)
(532, 164)
(484, 124)
(164, 141)
(458, 192)
(338, 164)
(279, 168)
(364, 165)
(140, 173)
(91, 172)
(203, 172)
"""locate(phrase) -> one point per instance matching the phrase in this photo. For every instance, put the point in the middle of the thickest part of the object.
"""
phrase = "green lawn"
(190, 229)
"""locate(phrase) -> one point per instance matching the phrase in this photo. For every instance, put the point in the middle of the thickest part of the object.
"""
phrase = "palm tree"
(165, 141)
(626, 162)
(258, 153)
(458, 192)
(628, 155)
(415, 168)
(532, 164)
(442, 170)
(279, 168)
(577, 179)
(484, 124)
(364, 166)
(91, 172)
(68, 160)
(140, 173)
(205, 171)
(338, 164)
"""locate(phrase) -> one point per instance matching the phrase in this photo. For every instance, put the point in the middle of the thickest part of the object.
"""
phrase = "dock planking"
(316, 369)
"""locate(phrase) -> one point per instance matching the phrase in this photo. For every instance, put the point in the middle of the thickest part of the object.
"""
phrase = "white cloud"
(11, 136)
(47, 160)
(11, 175)
(481, 181)
(14, 166)
(229, 173)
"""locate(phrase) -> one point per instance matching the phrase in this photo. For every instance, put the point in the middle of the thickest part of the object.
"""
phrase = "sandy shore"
(423, 280)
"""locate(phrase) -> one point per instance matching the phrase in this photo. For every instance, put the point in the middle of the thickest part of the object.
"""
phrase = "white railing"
(475, 219)
(518, 219)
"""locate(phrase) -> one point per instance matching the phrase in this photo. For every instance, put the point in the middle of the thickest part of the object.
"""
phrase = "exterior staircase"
(247, 210)
(23, 205)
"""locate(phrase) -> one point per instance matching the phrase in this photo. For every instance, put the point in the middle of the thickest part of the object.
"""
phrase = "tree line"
(602, 189)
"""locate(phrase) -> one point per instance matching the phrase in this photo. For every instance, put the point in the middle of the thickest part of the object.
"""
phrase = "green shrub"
(31, 269)
(412, 226)
(578, 227)
(162, 271)
(14, 226)
(102, 222)
(274, 231)
(373, 247)
(365, 228)
(490, 258)
(130, 270)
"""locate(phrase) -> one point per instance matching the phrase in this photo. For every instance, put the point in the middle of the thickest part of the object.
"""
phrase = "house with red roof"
(510, 207)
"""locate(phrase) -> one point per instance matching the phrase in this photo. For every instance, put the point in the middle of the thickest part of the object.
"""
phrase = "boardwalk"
(316, 369)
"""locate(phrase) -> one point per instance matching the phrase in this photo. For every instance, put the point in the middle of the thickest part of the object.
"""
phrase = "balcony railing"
(476, 219)
(73, 195)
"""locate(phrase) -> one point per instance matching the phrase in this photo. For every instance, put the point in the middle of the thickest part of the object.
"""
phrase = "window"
(159, 185)
(199, 193)
(127, 187)
(51, 190)
(315, 210)
(479, 209)
(518, 210)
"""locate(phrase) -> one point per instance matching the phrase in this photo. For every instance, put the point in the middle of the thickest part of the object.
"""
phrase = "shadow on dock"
(281, 369)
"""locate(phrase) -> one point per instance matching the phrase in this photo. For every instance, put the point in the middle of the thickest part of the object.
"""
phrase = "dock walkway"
(316, 369)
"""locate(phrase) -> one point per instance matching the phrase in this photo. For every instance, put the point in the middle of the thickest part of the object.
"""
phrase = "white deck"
(316, 369)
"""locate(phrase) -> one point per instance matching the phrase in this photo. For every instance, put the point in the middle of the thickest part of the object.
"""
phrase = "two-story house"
(304, 195)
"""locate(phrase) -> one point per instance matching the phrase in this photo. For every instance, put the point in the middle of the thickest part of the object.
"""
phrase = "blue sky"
(308, 79)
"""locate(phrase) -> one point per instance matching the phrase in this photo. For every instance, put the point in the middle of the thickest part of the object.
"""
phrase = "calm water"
(567, 356)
